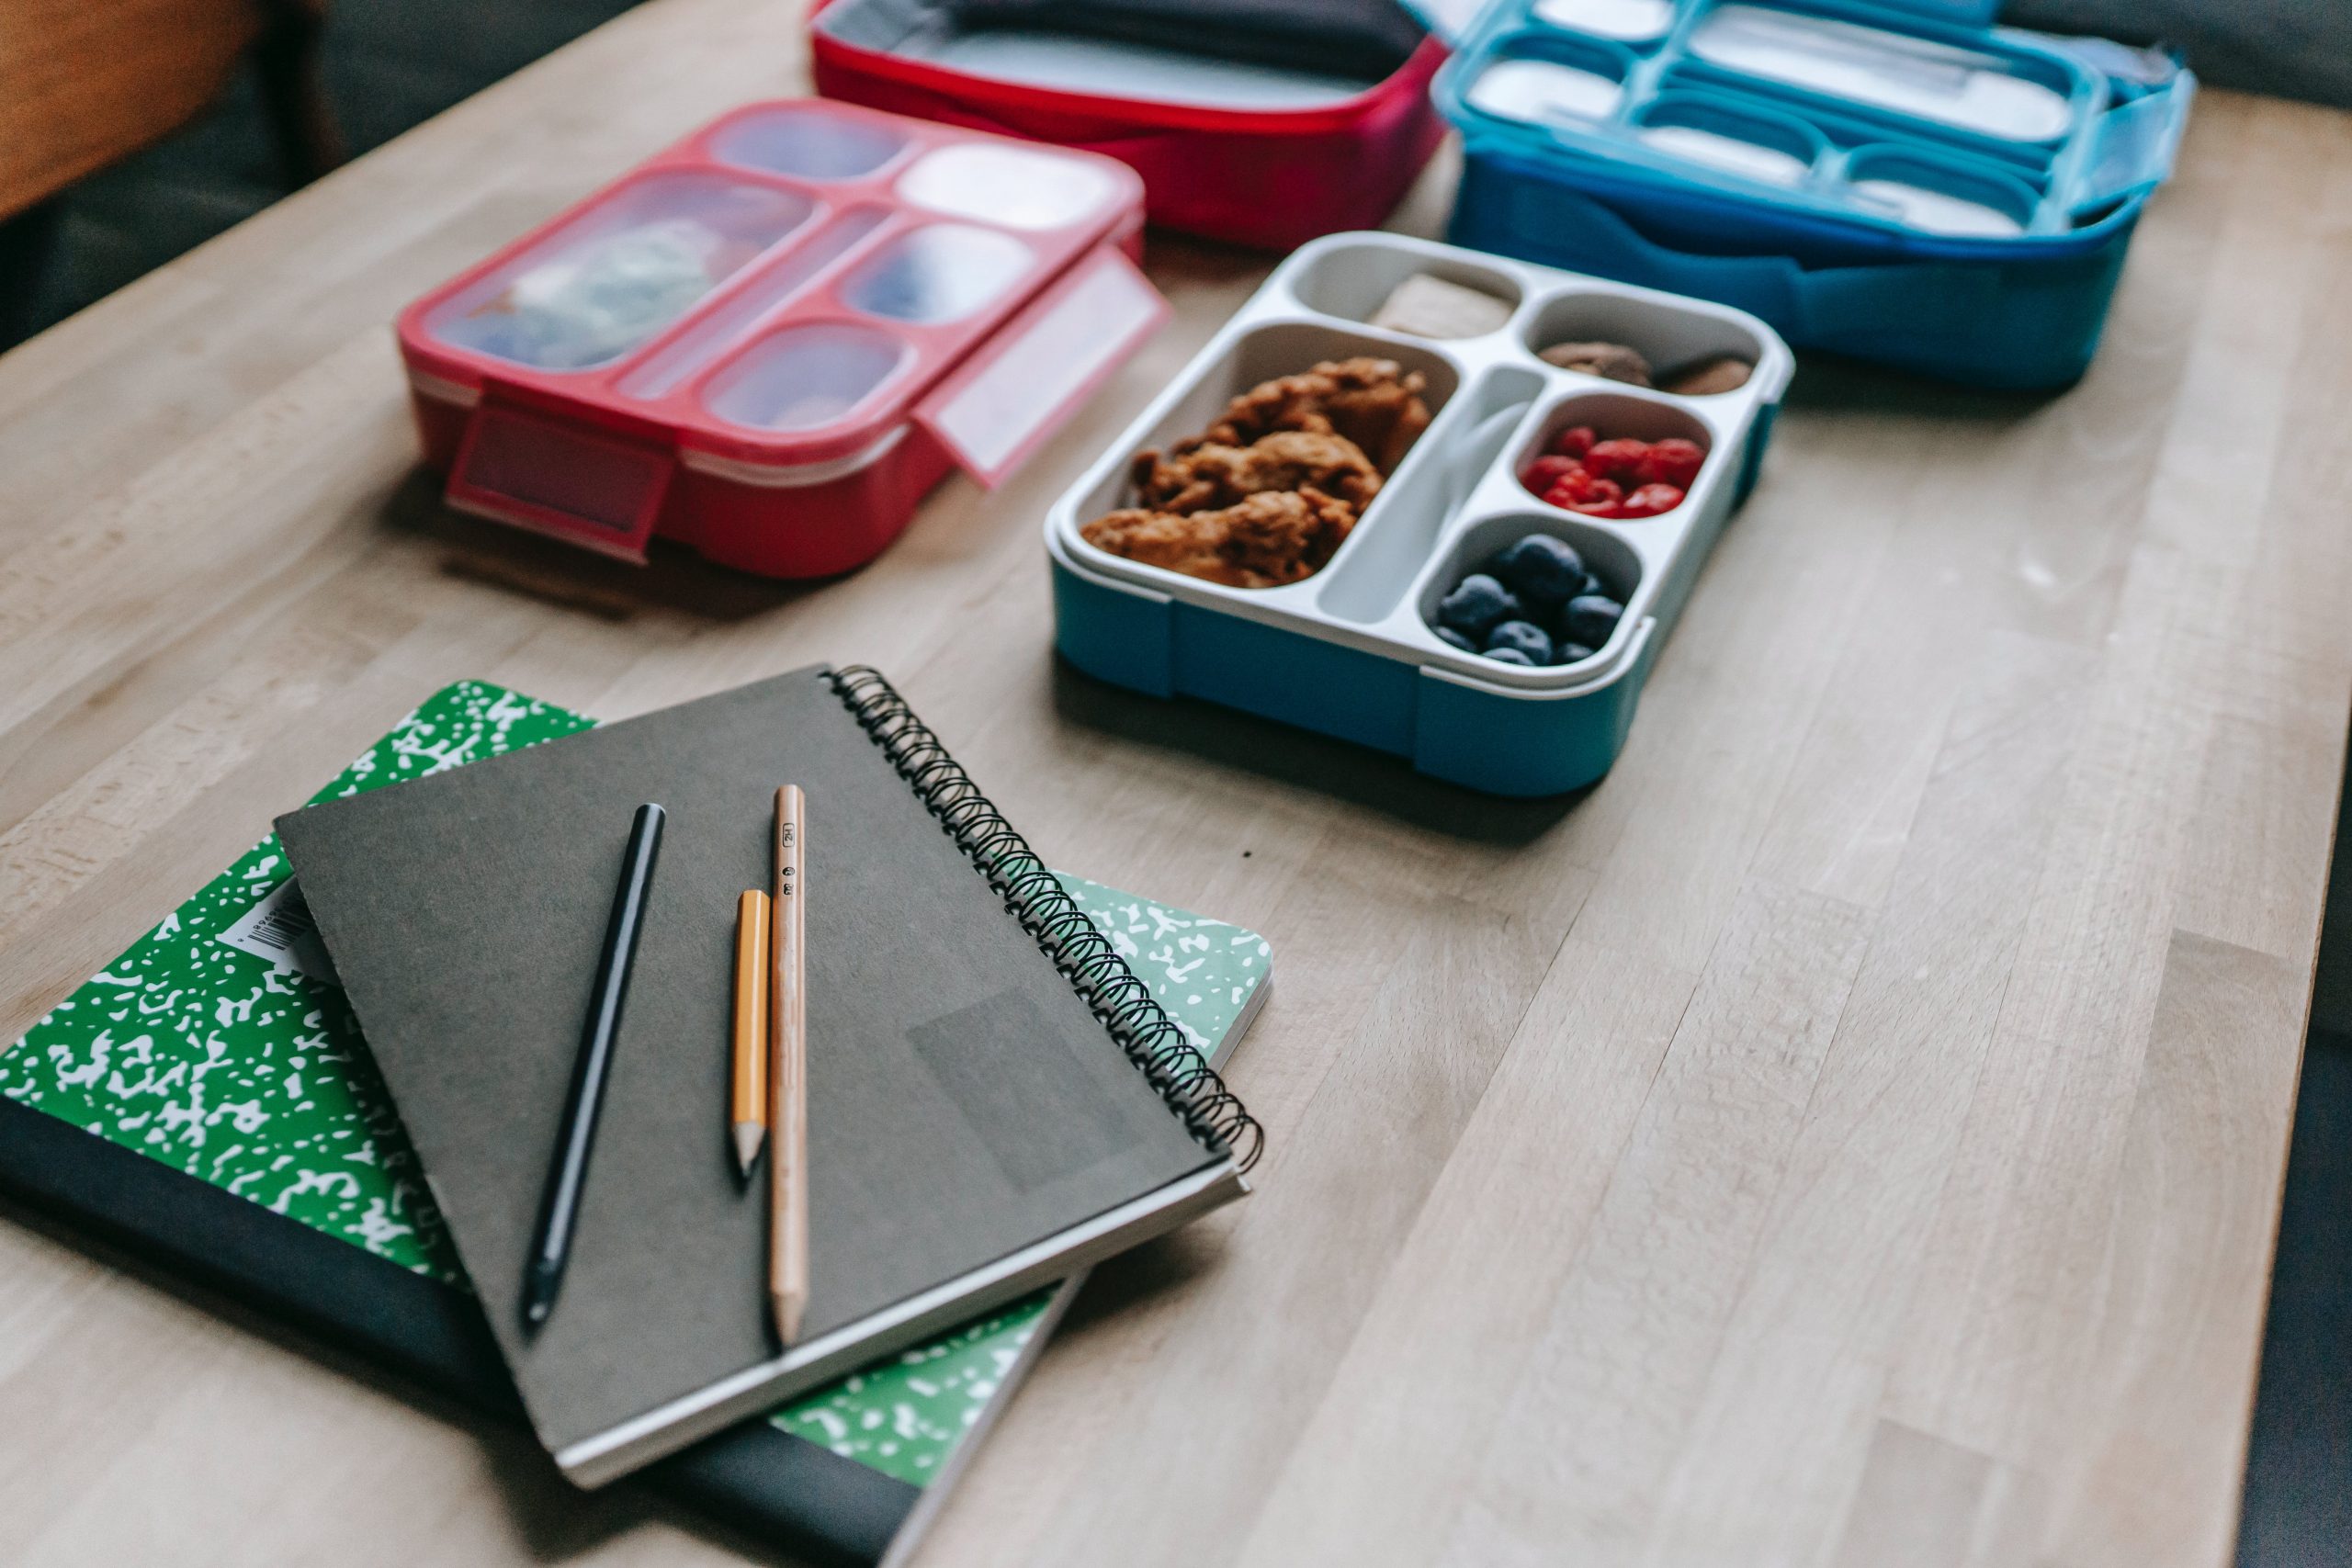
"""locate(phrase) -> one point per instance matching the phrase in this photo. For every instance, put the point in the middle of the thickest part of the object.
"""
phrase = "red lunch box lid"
(793, 284)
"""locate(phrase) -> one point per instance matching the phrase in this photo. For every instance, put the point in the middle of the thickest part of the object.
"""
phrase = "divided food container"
(1264, 122)
(1351, 651)
(769, 341)
(1893, 179)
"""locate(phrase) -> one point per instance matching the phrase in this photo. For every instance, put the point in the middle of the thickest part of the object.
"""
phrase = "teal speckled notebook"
(218, 1045)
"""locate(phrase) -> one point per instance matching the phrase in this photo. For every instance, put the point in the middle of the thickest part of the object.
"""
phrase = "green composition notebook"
(217, 1048)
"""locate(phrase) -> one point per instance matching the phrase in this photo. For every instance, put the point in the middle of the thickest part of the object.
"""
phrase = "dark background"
(391, 63)
(388, 65)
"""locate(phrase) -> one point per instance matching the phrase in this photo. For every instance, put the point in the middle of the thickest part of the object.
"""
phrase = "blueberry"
(1477, 605)
(1525, 636)
(1510, 656)
(1448, 635)
(1570, 652)
(1590, 618)
(1541, 567)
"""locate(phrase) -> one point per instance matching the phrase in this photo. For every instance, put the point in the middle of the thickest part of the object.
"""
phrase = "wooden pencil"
(748, 1098)
(787, 1071)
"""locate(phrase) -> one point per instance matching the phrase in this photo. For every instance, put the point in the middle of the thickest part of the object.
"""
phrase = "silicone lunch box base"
(1258, 122)
(1894, 180)
(2015, 324)
(1495, 742)
(1349, 651)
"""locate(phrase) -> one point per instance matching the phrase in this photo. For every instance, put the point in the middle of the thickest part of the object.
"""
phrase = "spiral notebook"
(279, 1175)
(995, 1101)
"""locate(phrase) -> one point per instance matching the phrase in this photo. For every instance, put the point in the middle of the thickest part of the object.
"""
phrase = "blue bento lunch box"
(1351, 651)
(1897, 180)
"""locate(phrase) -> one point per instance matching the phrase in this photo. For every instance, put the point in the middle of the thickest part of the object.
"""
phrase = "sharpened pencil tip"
(749, 1135)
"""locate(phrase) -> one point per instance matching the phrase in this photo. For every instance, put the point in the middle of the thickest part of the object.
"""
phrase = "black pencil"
(559, 1207)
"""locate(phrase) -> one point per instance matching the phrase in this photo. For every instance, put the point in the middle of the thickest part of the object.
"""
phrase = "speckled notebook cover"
(218, 1045)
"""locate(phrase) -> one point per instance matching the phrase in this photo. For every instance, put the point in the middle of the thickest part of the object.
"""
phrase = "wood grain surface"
(1849, 1135)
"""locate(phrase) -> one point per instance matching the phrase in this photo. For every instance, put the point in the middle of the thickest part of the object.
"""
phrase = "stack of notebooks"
(1010, 1076)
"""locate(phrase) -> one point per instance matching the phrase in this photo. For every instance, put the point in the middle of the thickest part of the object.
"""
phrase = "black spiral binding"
(1065, 933)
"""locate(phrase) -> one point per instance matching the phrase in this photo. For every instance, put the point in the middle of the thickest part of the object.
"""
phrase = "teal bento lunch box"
(1897, 180)
(1351, 651)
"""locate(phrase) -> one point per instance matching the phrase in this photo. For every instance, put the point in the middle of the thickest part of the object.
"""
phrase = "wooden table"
(1850, 1135)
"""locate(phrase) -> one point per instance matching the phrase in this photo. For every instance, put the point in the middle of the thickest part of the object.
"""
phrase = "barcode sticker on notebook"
(280, 930)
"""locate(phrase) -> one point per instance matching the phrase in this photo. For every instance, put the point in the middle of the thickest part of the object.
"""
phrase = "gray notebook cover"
(965, 1107)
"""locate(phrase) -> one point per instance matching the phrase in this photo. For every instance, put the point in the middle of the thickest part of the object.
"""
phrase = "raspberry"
(1579, 485)
(1673, 461)
(1619, 460)
(1584, 493)
(1546, 471)
(1651, 499)
(1575, 441)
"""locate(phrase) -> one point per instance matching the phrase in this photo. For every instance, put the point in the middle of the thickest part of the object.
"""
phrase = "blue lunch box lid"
(1916, 120)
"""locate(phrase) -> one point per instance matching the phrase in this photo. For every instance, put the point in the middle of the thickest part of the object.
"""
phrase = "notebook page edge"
(591, 1462)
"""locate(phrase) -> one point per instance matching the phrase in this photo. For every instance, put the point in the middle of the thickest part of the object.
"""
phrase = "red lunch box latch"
(599, 488)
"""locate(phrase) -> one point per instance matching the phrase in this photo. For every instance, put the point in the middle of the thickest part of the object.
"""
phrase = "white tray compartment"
(1377, 568)
(1351, 283)
(1410, 548)
(1251, 350)
(1607, 553)
(1670, 334)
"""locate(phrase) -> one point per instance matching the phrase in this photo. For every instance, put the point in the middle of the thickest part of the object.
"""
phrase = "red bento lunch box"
(769, 341)
(1263, 122)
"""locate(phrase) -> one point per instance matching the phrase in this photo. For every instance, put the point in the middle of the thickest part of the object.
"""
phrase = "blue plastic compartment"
(1995, 267)
(1347, 653)
(1948, 311)
(1496, 741)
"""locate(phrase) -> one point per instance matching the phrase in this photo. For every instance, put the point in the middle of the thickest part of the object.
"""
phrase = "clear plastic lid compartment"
(1627, 21)
(806, 378)
(1837, 125)
(809, 143)
(759, 299)
(1939, 197)
(1547, 79)
(1972, 90)
(1755, 144)
(940, 272)
(616, 274)
(1015, 187)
